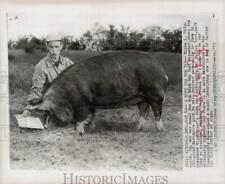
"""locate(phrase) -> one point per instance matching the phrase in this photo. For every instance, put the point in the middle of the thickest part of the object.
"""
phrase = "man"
(47, 70)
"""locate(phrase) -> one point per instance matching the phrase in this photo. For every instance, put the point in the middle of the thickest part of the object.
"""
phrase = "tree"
(110, 38)
(86, 40)
(153, 32)
(94, 38)
(22, 42)
(135, 40)
(173, 40)
(66, 42)
(11, 44)
(75, 45)
(30, 43)
(153, 38)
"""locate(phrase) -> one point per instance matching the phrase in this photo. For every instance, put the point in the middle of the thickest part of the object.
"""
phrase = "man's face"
(54, 49)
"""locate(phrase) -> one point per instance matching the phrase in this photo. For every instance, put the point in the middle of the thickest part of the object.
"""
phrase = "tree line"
(151, 38)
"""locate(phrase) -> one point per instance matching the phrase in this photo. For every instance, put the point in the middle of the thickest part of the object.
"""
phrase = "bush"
(30, 44)
(75, 45)
(30, 49)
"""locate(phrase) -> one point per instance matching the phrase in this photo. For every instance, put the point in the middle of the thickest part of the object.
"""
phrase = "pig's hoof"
(80, 131)
(159, 126)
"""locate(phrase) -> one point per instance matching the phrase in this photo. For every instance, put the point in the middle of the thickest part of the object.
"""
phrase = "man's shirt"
(44, 73)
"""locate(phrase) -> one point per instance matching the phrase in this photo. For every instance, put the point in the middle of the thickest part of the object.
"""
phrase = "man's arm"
(38, 83)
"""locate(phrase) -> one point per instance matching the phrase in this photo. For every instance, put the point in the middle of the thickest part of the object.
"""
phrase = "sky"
(76, 19)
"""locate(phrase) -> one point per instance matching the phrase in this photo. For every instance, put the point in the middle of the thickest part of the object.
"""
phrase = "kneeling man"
(47, 70)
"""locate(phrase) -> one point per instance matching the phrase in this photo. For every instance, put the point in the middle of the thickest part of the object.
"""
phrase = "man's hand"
(26, 113)
(35, 101)
(30, 107)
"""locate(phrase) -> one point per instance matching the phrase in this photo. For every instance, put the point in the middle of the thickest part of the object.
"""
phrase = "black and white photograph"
(94, 88)
(112, 92)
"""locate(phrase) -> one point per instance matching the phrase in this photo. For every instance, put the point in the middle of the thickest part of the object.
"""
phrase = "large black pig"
(110, 80)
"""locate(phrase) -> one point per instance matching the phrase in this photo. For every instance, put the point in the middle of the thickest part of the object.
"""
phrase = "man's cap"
(54, 37)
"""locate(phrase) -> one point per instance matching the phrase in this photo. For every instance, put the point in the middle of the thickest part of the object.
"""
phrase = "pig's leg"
(144, 111)
(86, 116)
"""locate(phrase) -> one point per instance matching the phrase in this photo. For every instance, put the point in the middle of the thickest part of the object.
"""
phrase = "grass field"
(115, 144)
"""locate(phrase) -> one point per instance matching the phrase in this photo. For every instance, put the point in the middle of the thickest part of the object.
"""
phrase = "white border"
(215, 175)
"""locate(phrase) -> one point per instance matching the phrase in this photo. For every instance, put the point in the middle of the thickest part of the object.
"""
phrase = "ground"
(114, 144)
